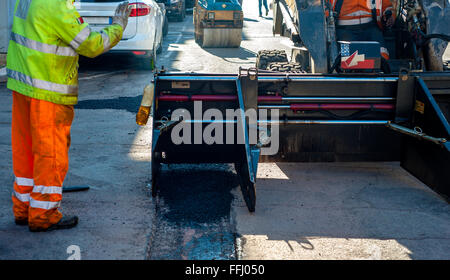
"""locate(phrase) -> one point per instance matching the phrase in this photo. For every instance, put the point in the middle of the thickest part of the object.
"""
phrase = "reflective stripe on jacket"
(355, 12)
(47, 37)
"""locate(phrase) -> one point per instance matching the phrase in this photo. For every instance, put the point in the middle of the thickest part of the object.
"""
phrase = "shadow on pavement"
(250, 19)
(111, 62)
(228, 54)
(130, 104)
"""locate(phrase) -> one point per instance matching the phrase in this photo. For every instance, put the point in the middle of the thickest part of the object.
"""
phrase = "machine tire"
(265, 57)
(221, 38)
(286, 67)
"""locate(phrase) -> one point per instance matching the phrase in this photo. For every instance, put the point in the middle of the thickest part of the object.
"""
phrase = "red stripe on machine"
(314, 107)
(214, 98)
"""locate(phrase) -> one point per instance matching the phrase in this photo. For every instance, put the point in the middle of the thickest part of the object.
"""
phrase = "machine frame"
(366, 117)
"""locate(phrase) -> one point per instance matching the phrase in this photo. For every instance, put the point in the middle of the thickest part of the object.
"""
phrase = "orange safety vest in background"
(355, 12)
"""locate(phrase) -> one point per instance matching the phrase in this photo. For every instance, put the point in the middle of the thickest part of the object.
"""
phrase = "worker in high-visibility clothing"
(42, 67)
(363, 20)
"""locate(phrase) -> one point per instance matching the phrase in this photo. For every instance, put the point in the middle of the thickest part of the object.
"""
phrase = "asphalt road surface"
(304, 210)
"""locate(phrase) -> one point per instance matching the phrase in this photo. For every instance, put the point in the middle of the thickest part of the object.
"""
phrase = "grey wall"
(6, 12)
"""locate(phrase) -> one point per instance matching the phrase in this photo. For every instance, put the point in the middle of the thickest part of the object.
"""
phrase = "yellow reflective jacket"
(47, 37)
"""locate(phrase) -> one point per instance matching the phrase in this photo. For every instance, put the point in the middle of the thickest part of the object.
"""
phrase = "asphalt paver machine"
(319, 107)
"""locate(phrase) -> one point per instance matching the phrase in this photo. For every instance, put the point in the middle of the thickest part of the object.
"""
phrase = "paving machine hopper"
(327, 116)
(218, 23)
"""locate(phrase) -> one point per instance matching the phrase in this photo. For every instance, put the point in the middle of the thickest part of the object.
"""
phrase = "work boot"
(21, 222)
(64, 223)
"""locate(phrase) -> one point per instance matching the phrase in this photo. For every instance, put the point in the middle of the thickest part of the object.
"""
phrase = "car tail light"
(139, 9)
(139, 52)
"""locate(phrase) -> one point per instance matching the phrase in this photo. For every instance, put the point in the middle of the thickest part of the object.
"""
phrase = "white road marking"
(100, 75)
(177, 40)
(169, 53)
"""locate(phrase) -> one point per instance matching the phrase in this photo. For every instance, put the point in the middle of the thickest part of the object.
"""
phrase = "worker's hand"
(122, 13)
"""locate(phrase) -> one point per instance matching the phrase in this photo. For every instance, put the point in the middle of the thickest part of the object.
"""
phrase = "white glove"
(122, 13)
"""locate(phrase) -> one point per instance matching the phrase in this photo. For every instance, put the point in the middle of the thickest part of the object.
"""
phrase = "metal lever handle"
(417, 133)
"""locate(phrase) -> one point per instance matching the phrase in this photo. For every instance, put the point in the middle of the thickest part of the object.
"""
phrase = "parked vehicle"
(176, 9)
(143, 35)
(163, 5)
(166, 19)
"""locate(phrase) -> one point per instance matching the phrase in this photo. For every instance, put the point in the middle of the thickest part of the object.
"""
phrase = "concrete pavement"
(343, 211)
(340, 210)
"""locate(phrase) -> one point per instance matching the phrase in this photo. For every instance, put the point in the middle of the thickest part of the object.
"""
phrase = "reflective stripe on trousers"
(22, 188)
(25, 186)
(40, 144)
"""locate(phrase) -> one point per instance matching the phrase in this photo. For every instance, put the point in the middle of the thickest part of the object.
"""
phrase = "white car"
(143, 35)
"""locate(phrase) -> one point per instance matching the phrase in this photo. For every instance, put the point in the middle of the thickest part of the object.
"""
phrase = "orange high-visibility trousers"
(40, 145)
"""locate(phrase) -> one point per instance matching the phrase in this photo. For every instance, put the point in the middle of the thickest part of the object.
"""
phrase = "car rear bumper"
(131, 53)
(137, 43)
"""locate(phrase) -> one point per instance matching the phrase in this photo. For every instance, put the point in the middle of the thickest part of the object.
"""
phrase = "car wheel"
(160, 47)
(145, 62)
(166, 26)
